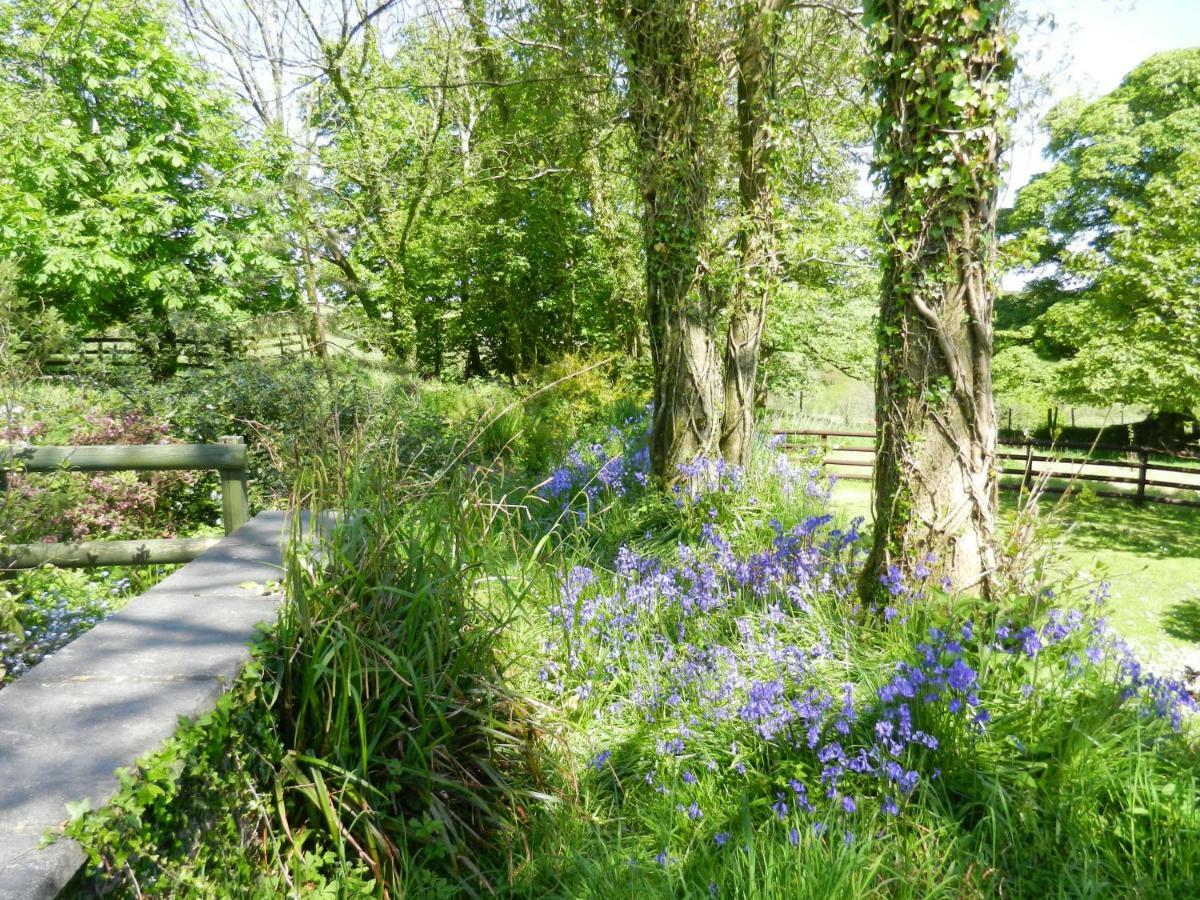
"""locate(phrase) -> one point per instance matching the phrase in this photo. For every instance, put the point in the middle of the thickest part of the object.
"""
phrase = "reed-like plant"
(391, 695)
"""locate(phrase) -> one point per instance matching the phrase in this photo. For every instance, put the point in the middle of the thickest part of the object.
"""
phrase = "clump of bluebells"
(618, 467)
(602, 470)
(49, 609)
(736, 655)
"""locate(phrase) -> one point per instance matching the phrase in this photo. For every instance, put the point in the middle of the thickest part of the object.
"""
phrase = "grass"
(475, 690)
(675, 787)
(1150, 554)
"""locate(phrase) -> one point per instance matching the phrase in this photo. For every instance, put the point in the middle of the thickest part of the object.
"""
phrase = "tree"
(1111, 232)
(756, 53)
(940, 69)
(125, 192)
(823, 302)
(453, 173)
(674, 94)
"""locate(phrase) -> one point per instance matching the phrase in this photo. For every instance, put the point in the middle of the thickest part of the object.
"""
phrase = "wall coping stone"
(118, 692)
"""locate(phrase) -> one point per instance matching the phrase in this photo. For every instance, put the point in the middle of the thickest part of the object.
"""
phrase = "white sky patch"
(1094, 45)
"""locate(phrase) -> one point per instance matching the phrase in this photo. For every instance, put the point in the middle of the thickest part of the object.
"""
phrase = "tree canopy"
(459, 186)
(1110, 239)
(124, 187)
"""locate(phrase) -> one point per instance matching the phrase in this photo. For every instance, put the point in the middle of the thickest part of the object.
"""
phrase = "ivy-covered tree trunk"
(673, 94)
(940, 69)
(756, 51)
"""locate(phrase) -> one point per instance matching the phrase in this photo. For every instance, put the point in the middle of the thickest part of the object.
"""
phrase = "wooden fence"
(116, 352)
(1138, 471)
(270, 339)
(228, 458)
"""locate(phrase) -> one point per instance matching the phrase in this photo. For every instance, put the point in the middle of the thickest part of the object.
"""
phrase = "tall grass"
(402, 733)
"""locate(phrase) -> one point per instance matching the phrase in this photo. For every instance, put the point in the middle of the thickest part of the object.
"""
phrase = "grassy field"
(840, 401)
(1149, 554)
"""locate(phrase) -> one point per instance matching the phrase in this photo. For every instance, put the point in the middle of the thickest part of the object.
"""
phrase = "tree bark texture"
(756, 53)
(935, 486)
(672, 97)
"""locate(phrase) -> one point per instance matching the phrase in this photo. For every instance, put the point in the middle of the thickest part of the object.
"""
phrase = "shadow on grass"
(1182, 620)
(1153, 530)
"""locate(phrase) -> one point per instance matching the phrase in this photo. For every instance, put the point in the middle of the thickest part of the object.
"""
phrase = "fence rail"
(287, 340)
(227, 457)
(1140, 473)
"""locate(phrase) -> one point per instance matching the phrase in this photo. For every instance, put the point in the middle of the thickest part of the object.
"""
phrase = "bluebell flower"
(672, 747)
(960, 676)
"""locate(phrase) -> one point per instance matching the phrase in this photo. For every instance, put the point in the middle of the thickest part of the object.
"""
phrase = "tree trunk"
(161, 350)
(1163, 428)
(938, 153)
(474, 367)
(756, 51)
(317, 339)
(672, 95)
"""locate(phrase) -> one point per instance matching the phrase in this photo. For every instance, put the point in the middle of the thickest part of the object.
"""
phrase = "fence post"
(235, 498)
(1143, 462)
(1027, 481)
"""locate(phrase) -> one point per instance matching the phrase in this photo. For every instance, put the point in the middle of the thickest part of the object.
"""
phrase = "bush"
(581, 400)
(288, 411)
(65, 506)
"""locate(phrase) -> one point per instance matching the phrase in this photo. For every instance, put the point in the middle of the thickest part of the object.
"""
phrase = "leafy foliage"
(125, 188)
(66, 506)
(1109, 236)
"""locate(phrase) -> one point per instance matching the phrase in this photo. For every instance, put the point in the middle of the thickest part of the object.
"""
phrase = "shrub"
(62, 506)
(288, 411)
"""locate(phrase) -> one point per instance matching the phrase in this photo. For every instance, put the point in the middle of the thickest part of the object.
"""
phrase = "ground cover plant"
(43, 610)
(581, 688)
(1149, 555)
(743, 726)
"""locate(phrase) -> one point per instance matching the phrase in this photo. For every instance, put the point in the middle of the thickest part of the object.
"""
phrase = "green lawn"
(1150, 555)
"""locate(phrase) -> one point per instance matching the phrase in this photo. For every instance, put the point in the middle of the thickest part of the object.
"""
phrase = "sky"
(1093, 45)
